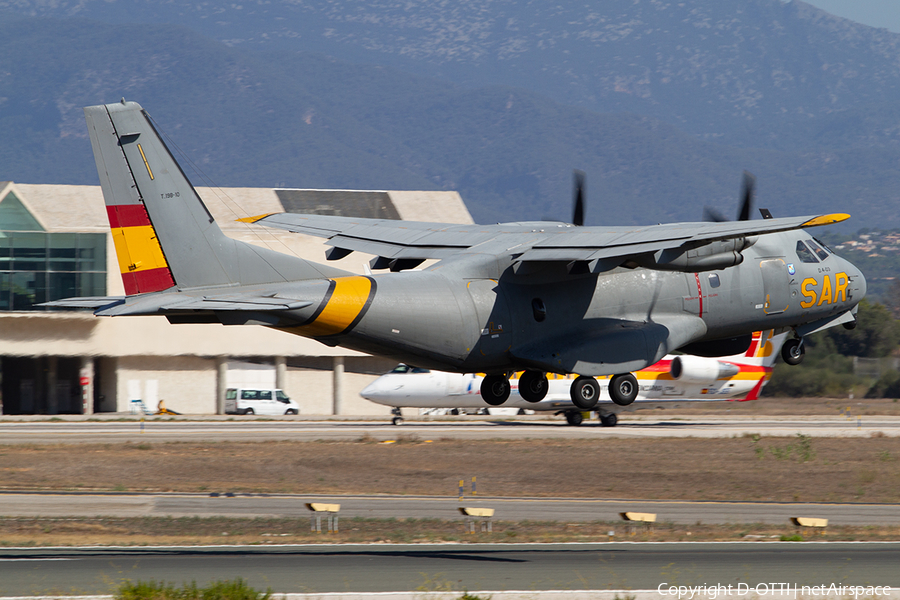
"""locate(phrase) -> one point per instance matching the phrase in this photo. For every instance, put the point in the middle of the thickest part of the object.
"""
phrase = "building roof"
(81, 207)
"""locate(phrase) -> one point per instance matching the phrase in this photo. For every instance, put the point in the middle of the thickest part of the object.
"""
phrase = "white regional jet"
(673, 379)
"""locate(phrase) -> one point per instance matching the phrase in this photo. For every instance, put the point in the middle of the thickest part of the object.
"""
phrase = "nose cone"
(862, 285)
(374, 390)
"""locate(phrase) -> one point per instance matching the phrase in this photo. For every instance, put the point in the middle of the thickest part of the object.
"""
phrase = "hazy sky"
(877, 13)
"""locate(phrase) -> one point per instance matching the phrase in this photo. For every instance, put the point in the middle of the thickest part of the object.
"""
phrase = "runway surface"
(507, 509)
(381, 568)
(242, 429)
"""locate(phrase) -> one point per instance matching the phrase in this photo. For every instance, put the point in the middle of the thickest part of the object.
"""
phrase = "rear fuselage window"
(714, 280)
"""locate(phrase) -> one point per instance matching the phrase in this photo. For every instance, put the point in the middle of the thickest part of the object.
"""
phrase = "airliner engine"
(697, 369)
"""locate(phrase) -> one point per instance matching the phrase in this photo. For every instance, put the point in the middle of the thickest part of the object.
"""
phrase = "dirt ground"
(211, 531)
(762, 407)
(747, 468)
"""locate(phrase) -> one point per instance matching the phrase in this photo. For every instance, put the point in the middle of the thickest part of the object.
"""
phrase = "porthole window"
(714, 280)
(538, 309)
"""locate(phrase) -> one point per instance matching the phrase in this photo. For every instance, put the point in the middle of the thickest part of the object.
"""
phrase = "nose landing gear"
(793, 351)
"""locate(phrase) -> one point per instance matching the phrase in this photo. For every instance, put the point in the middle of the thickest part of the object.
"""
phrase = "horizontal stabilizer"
(85, 302)
(241, 303)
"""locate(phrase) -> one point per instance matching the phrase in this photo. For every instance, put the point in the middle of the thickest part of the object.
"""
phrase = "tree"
(892, 299)
(876, 335)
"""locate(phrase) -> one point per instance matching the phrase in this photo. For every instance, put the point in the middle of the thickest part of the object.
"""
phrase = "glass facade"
(38, 266)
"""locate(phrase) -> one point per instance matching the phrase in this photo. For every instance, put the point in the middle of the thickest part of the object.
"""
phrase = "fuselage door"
(492, 318)
(776, 285)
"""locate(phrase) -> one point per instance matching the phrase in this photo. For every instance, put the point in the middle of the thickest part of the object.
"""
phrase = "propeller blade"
(712, 215)
(747, 196)
(578, 213)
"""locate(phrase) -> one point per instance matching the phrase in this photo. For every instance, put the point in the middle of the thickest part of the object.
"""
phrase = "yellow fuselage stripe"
(347, 300)
(137, 249)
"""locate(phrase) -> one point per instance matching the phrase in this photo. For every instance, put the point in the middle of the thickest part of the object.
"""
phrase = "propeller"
(578, 212)
(747, 187)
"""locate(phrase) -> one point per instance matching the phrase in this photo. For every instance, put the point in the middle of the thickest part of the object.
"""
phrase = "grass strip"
(196, 531)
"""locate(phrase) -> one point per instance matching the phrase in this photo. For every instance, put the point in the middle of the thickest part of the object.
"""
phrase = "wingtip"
(826, 220)
(255, 219)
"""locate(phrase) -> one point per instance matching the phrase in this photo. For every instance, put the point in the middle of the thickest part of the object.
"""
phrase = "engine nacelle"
(710, 256)
(697, 369)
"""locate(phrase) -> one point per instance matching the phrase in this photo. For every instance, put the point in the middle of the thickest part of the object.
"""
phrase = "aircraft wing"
(546, 241)
(383, 237)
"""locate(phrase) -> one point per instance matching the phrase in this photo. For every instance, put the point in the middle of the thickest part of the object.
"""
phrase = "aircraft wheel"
(609, 420)
(249, 411)
(397, 420)
(793, 351)
(574, 418)
(495, 389)
(533, 386)
(623, 389)
(585, 392)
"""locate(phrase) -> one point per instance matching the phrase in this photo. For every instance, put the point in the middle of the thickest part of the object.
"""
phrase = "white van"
(248, 401)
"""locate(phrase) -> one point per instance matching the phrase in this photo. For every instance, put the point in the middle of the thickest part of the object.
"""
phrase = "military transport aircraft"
(542, 297)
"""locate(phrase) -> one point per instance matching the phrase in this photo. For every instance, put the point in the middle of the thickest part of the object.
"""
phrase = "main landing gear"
(576, 418)
(495, 389)
(793, 351)
(623, 389)
(533, 386)
(585, 391)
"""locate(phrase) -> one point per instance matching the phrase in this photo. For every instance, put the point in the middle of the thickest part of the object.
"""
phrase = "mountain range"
(661, 103)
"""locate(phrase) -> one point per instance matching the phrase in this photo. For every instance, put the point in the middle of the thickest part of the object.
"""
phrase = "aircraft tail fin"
(754, 393)
(763, 350)
(163, 233)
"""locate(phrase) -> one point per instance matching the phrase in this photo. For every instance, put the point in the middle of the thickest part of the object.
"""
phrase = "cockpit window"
(418, 370)
(401, 369)
(824, 245)
(817, 249)
(804, 254)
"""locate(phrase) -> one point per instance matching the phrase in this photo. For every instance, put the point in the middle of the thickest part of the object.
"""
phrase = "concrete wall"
(105, 368)
(187, 383)
(312, 390)
(188, 386)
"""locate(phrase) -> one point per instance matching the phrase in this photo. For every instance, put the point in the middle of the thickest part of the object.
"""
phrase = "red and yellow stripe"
(141, 260)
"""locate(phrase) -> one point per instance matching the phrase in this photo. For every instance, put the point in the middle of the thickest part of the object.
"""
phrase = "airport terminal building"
(55, 243)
